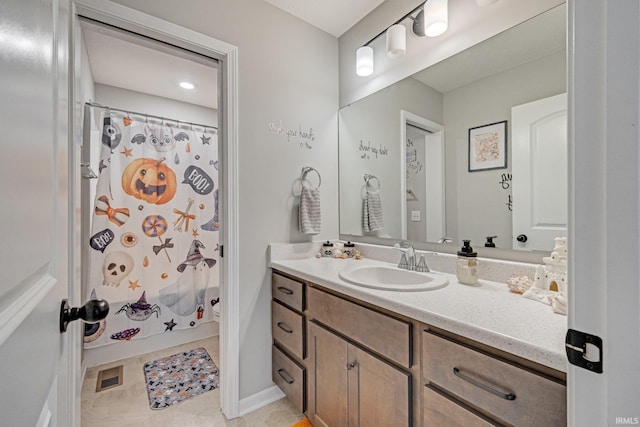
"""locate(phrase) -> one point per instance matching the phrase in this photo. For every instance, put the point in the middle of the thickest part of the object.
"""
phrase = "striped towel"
(309, 217)
(372, 212)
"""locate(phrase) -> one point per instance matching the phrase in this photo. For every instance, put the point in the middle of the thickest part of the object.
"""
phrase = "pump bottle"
(467, 264)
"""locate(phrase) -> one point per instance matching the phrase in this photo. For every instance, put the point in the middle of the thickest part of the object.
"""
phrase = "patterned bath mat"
(172, 379)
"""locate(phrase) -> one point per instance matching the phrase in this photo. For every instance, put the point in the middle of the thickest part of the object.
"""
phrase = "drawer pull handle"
(284, 327)
(285, 290)
(286, 377)
(483, 386)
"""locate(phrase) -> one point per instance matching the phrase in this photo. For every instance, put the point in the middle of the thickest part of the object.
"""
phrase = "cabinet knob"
(351, 365)
(522, 238)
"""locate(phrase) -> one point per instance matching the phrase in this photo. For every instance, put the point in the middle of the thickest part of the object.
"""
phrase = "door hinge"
(584, 350)
(221, 251)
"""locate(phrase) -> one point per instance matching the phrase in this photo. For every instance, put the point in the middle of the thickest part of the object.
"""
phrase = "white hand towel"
(309, 217)
(372, 213)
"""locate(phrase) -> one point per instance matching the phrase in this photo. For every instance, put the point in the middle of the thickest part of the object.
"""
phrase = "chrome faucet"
(408, 259)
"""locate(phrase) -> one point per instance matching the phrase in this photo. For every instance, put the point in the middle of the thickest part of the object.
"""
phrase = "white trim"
(260, 399)
(13, 315)
(229, 284)
(142, 23)
(407, 117)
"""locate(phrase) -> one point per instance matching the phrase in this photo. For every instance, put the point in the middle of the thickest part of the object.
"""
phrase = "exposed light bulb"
(436, 17)
(364, 61)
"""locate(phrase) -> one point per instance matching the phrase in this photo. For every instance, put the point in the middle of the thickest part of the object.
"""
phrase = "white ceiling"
(121, 61)
(333, 16)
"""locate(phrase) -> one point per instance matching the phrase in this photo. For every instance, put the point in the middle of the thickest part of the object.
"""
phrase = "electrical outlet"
(415, 216)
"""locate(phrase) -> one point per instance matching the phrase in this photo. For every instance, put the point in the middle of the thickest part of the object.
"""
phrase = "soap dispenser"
(467, 265)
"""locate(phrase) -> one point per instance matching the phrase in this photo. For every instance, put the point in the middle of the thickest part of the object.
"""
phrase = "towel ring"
(305, 171)
(369, 177)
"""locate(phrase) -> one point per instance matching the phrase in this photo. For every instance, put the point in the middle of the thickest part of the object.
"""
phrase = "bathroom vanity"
(347, 355)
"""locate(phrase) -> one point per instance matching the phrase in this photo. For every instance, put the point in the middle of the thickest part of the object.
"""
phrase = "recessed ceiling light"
(187, 85)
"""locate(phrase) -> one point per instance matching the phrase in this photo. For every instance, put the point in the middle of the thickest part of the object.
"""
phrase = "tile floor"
(128, 405)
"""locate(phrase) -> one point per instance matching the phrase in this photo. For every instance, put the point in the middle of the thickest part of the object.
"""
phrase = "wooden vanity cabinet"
(353, 364)
(288, 370)
(349, 385)
(344, 362)
(480, 388)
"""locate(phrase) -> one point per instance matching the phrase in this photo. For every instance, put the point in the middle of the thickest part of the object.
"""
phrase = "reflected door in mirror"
(541, 185)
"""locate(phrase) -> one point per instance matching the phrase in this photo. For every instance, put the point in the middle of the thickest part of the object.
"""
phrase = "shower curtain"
(154, 235)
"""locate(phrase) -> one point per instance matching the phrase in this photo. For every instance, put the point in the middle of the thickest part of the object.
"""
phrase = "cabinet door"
(327, 378)
(379, 394)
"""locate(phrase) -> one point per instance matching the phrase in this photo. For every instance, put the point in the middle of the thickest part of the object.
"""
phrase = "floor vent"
(109, 378)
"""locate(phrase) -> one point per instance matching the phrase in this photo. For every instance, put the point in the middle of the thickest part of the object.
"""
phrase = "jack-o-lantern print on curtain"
(154, 235)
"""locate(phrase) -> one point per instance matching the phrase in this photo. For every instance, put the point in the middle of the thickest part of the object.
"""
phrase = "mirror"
(442, 155)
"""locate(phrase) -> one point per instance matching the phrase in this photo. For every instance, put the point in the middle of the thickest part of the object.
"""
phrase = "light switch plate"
(415, 216)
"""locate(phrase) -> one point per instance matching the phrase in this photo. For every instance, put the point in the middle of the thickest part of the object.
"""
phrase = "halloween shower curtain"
(154, 235)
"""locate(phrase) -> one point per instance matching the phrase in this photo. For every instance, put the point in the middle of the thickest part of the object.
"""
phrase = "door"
(327, 378)
(604, 242)
(378, 393)
(34, 221)
(540, 180)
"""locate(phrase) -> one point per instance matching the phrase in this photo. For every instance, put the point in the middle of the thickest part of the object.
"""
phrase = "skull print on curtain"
(154, 239)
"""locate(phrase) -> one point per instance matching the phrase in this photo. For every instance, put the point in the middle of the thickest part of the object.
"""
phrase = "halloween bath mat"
(172, 379)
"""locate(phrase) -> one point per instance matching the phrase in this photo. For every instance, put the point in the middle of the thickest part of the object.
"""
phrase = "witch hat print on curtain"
(152, 255)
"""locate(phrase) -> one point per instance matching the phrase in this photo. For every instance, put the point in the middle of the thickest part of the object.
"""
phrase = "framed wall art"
(488, 147)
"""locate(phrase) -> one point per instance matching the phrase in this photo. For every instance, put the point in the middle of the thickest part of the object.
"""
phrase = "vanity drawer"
(383, 334)
(288, 291)
(287, 328)
(438, 410)
(514, 395)
(289, 377)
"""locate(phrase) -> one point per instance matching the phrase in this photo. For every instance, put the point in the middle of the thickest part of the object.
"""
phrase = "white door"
(34, 213)
(539, 134)
(604, 237)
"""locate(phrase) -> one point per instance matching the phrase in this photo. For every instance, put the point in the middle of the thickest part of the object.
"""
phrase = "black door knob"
(521, 238)
(91, 312)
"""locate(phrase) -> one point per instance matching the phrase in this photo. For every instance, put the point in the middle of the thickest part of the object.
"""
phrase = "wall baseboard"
(260, 399)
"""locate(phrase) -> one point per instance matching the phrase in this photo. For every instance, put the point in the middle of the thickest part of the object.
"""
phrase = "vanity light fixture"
(187, 85)
(396, 40)
(364, 61)
(431, 19)
(436, 17)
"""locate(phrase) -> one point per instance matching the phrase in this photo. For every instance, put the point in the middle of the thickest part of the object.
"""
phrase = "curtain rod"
(95, 104)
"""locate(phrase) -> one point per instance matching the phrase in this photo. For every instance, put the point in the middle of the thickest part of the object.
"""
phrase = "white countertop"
(488, 313)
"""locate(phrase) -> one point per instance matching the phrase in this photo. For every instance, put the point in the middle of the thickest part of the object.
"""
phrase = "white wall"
(116, 97)
(288, 77)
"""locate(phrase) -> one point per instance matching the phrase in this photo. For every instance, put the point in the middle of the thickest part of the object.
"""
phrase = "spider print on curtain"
(154, 238)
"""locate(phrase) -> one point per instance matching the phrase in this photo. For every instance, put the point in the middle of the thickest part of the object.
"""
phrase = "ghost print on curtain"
(154, 238)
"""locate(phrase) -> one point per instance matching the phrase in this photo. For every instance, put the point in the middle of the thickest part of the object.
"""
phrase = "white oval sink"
(393, 278)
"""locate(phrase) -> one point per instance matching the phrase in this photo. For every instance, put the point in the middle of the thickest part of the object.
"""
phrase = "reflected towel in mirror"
(372, 211)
